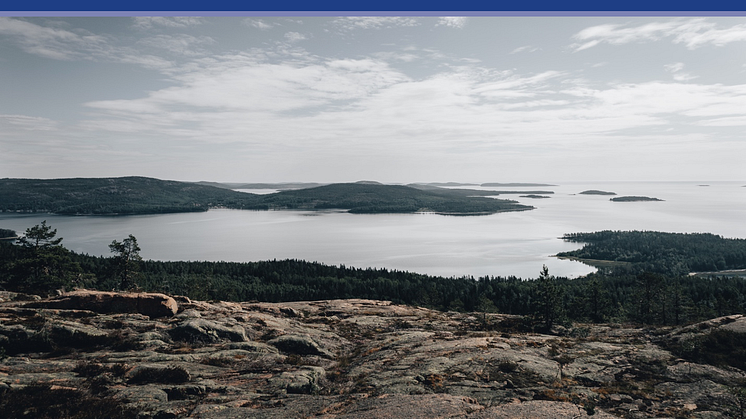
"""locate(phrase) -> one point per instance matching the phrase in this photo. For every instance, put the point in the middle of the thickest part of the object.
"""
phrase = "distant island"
(534, 196)
(596, 192)
(510, 185)
(141, 195)
(446, 184)
(634, 199)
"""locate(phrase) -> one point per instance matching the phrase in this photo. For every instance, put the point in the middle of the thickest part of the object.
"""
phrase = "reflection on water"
(516, 243)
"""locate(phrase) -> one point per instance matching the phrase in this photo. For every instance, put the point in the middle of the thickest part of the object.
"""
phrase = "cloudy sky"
(393, 99)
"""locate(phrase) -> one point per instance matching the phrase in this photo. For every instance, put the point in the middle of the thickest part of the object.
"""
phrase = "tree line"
(39, 264)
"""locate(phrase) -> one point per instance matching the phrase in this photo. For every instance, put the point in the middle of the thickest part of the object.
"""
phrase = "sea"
(503, 244)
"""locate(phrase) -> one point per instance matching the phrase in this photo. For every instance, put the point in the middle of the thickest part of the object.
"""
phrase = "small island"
(534, 196)
(634, 199)
(492, 184)
(596, 192)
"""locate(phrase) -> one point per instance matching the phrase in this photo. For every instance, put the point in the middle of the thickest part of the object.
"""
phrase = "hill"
(141, 195)
(123, 195)
(376, 198)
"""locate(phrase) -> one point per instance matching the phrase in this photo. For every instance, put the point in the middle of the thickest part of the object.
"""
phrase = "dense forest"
(666, 253)
(5, 233)
(139, 195)
(39, 264)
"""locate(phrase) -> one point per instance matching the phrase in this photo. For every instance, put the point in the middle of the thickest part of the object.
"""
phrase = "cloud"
(678, 74)
(257, 23)
(24, 122)
(693, 33)
(60, 44)
(452, 22)
(181, 44)
(526, 48)
(148, 22)
(54, 43)
(295, 37)
(350, 23)
(305, 102)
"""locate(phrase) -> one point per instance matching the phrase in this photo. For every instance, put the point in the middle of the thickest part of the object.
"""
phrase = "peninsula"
(141, 195)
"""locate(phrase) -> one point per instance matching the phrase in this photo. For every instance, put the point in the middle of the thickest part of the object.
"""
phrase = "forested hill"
(377, 198)
(141, 195)
(123, 195)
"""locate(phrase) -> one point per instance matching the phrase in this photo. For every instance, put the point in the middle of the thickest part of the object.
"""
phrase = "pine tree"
(127, 261)
(548, 305)
(46, 266)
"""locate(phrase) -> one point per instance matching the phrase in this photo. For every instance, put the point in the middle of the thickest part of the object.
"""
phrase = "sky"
(395, 99)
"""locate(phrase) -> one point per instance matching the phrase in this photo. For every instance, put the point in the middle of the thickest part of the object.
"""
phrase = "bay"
(513, 243)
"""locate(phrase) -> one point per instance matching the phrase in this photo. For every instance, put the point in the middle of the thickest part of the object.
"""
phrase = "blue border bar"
(372, 8)
(331, 13)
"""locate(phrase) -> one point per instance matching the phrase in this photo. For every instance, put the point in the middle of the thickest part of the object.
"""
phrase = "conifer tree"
(549, 299)
(127, 261)
(45, 265)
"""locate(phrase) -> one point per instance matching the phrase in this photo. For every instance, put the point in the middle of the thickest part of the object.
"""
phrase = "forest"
(39, 264)
(140, 195)
(666, 253)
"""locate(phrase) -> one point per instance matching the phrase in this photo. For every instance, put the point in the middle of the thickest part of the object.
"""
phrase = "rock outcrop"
(355, 359)
(149, 304)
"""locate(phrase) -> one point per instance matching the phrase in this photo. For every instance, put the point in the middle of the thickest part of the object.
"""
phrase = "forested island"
(140, 195)
(514, 184)
(596, 192)
(634, 199)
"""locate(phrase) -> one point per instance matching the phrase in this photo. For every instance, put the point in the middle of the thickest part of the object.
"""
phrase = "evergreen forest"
(644, 290)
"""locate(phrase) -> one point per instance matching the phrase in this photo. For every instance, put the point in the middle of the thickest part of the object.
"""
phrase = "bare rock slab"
(150, 304)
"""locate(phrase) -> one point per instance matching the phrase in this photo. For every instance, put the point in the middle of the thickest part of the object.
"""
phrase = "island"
(596, 192)
(141, 195)
(634, 199)
(508, 185)
(446, 184)
(534, 196)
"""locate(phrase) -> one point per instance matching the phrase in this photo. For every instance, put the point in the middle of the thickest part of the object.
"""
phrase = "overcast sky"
(393, 99)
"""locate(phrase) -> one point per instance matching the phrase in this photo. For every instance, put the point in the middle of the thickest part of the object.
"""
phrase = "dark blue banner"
(529, 7)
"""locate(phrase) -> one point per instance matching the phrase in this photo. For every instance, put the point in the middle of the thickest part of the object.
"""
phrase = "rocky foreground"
(92, 354)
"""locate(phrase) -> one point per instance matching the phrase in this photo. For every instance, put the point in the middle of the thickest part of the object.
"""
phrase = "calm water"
(500, 244)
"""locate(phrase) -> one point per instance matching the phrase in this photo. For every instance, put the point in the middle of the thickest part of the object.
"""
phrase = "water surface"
(514, 243)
